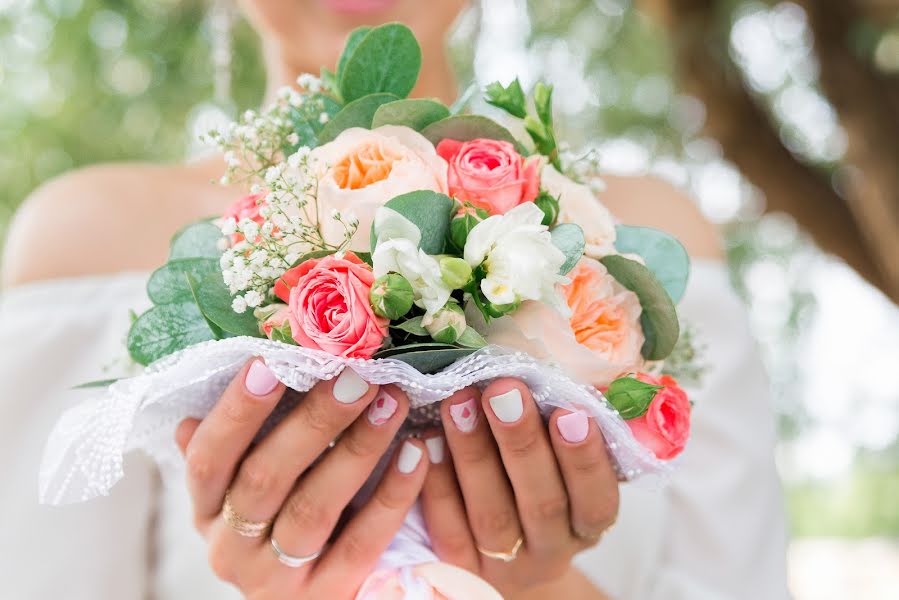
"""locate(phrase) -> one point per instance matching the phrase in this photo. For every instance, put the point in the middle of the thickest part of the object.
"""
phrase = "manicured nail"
(349, 387)
(508, 407)
(573, 427)
(382, 408)
(435, 449)
(465, 415)
(260, 380)
(409, 458)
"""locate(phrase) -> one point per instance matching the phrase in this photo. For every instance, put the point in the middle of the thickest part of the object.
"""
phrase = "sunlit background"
(86, 81)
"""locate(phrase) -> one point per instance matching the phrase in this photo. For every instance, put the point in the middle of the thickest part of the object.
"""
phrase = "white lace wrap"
(84, 455)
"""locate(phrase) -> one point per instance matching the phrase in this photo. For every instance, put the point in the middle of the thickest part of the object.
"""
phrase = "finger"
(185, 432)
(488, 497)
(589, 477)
(314, 506)
(444, 509)
(269, 471)
(224, 435)
(357, 549)
(531, 465)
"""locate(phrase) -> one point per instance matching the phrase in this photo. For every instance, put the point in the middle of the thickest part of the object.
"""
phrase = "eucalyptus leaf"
(310, 255)
(166, 329)
(168, 284)
(99, 383)
(214, 300)
(412, 326)
(426, 358)
(358, 113)
(665, 256)
(416, 113)
(385, 59)
(352, 41)
(430, 211)
(659, 319)
(470, 338)
(198, 240)
(569, 238)
(464, 128)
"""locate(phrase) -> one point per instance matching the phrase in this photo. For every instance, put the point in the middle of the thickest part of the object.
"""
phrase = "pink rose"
(278, 315)
(665, 427)
(245, 208)
(490, 174)
(328, 306)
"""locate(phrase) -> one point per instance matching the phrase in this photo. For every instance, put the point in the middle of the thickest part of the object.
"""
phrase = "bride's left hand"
(507, 476)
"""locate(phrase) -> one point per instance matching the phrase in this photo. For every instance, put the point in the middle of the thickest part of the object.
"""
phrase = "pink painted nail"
(573, 427)
(260, 380)
(382, 408)
(465, 415)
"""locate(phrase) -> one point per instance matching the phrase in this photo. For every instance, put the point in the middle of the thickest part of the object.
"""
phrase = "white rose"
(578, 204)
(518, 254)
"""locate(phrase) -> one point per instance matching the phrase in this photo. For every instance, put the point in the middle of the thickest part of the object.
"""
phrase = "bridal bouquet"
(413, 244)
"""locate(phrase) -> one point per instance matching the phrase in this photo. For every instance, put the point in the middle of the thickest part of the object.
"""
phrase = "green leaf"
(659, 319)
(665, 256)
(569, 238)
(198, 240)
(386, 59)
(214, 300)
(631, 397)
(306, 119)
(465, 128)
(511, 99)
(430, 212)
(416, 113)
(412, 326)
(310, 255)
(358, 113)
(166, 329)
(352, 42)
(329, 81)
(99, 383)
(543, 95)
(426, 357)
(470, 338)
(168, 284)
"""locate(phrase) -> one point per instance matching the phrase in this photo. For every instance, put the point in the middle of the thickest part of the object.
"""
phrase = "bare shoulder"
(103, 219)
(653, 202)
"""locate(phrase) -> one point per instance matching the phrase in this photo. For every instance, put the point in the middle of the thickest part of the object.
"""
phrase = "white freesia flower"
(518, 254)
(397, 251)
(578, 204)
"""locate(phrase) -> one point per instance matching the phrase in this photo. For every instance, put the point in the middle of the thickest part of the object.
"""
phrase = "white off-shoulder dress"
(716, 531)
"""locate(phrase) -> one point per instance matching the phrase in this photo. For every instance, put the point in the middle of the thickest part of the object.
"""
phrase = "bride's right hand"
(278, 481)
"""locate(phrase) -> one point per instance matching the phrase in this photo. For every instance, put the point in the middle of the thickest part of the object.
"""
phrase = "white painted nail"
(349, 387)
(508, 407)
(409, 458)
(435, 449)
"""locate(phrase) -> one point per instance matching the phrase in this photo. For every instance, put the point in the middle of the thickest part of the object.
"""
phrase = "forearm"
(573, 585)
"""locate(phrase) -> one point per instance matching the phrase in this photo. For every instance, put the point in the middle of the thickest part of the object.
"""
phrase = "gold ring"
(504, 556)
(244, 527)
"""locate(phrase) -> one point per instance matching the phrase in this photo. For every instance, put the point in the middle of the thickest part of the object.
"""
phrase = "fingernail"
(435, 449)
(573, 427)
(465, 415)
(349, 387)
(409, 458)
(260, 380)
(508, 407)
(382, 408)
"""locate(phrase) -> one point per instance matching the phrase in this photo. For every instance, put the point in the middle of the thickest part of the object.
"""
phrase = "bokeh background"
(782, 118)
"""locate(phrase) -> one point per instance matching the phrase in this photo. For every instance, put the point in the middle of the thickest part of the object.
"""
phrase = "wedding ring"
(243, 526)
(504, 556)
(292, 561)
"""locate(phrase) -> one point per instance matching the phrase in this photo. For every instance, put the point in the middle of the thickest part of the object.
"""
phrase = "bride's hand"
(507, 477)
(239, 488)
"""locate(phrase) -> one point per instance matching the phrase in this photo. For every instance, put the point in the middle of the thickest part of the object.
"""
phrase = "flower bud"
(391, 296)
(448, 324)
(462, 224)
(455, 272)
(550, 207)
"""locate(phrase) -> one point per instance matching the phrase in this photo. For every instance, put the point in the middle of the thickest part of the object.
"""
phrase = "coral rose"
(665, 427)
(578, 204)
(490, 174)
(244, 208)
(328, 306)
(362, 169)
(600, 340)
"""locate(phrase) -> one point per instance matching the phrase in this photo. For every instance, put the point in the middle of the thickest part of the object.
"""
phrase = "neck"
(436, 79)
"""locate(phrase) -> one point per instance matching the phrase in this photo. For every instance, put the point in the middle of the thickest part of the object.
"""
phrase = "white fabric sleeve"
(55, 335)
(717, 531)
